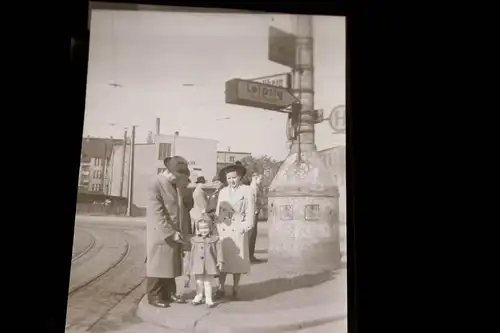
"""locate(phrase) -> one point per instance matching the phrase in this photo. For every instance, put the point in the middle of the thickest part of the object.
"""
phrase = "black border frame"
(389, 192)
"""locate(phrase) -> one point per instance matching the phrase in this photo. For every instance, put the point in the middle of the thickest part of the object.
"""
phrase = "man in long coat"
(166, 230)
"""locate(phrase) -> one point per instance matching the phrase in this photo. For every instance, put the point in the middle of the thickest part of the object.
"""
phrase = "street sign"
(282, 47)
(258, 95)
(283, 80)
(337, 119)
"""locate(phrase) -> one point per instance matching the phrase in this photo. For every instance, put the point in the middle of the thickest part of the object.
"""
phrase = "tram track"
(91, 245)
(120, 260)
(105, 276)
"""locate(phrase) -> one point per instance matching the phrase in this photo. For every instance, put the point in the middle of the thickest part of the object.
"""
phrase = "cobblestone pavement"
(106, 282)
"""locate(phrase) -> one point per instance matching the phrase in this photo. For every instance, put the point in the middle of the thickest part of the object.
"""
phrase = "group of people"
(199, 236)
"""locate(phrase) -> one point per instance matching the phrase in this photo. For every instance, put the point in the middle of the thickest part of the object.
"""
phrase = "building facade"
(225, 158)
(95, 157)
(148, 161)
(335, 160)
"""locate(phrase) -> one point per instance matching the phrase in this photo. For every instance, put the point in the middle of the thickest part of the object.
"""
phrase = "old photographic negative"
(196, 122)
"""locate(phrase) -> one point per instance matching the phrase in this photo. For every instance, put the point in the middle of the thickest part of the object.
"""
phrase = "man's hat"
(201, 180)
(177, 165)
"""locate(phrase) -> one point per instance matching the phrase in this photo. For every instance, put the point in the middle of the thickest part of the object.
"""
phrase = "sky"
(153, 55)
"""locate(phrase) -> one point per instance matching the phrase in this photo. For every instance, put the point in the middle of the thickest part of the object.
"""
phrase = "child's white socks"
(208, 292)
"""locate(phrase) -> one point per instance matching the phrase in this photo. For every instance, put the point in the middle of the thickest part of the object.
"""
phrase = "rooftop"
(98, 147)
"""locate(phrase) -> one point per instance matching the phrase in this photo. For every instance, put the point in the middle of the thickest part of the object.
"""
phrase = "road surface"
(107, 274)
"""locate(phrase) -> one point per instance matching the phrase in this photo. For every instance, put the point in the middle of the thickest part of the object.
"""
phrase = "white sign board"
(280, 80)
(337, 118)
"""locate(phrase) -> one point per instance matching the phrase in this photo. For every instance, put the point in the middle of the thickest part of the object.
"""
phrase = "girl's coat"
(206, 253)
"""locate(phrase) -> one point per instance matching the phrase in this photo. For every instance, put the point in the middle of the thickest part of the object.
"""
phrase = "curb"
(203, 320)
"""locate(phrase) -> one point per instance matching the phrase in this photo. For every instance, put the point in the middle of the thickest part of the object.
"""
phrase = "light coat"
(164, 255)
(235, 218)
(206, 253)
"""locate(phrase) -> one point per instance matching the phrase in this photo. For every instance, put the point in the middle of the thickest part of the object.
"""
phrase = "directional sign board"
(337, 119)
(283, 80)
(258, 95)
(282, 47)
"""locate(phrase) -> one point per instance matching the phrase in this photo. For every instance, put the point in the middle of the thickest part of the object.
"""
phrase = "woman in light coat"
(234, 218)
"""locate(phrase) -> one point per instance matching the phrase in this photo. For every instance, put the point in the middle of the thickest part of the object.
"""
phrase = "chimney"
(157, 126)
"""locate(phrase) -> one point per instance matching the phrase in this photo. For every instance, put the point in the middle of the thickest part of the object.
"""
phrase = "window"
(164, 150)
(231, 159)
(312, 212)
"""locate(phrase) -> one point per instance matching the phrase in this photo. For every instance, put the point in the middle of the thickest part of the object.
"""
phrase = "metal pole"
(131, 174)
(303, 84)
(122, 171)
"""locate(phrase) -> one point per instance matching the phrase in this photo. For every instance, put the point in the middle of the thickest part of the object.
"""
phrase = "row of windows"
(96, 174)
(96, 188)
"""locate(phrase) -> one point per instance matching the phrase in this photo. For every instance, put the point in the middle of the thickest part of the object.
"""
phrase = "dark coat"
(212, 204)
(206, 253)
(164, 256)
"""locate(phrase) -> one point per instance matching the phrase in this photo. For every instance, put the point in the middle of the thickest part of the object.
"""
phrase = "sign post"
(337, 119)
(258, 95)
(282, 47)
(283, 80)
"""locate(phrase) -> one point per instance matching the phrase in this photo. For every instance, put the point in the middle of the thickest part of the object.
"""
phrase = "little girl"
(205, 259)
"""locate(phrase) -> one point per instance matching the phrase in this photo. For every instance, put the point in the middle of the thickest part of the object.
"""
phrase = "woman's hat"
(237, 167)
(201, 180)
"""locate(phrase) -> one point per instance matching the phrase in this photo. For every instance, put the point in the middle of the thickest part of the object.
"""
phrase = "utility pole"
(131, 174)
(122, 171)
(303, 198)
(104, 165)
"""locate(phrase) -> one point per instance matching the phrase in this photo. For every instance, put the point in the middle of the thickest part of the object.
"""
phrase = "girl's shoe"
(197, 300)
(210, 304)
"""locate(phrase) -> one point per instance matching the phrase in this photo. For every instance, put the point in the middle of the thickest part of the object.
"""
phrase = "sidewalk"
(270, 301)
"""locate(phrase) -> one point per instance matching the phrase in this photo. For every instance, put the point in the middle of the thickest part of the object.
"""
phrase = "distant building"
(334, 159)
(200, 153)
(95, 155)
(225, 158)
